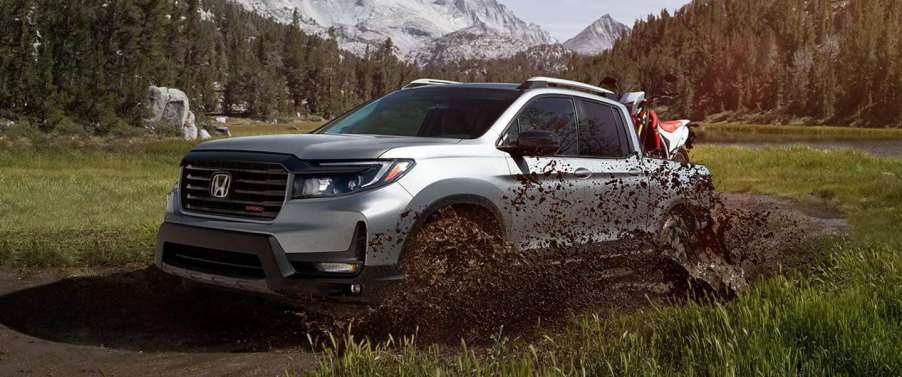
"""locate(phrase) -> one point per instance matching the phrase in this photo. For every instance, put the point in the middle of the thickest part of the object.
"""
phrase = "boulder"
(171, 106)
(190, 127)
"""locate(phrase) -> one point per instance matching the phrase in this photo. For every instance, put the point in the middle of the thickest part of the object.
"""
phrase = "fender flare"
(467, 199)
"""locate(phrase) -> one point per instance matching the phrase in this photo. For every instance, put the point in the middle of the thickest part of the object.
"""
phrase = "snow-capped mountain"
(598, 37)
(427, 30)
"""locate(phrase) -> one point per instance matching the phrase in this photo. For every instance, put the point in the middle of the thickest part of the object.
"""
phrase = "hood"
(321, 147)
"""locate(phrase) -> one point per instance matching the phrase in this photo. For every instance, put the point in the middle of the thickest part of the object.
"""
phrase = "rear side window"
(555, 114)
(600, 131)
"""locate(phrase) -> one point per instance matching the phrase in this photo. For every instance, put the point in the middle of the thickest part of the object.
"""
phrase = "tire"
(681, 155)
(449, 267)
(705, 270)
(678, 238)
(447, 244)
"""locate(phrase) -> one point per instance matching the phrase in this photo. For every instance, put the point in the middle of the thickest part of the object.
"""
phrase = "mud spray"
(463, 280)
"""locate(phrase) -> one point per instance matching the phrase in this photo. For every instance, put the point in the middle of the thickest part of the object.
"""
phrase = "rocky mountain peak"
(597, 37)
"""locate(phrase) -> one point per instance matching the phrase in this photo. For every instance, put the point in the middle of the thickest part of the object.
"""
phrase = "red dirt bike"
(670, 140)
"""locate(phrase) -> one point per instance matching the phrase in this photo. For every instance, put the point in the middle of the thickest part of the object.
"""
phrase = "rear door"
(616, 203)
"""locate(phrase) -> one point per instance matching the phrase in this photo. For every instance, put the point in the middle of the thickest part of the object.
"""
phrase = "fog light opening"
(338, 268)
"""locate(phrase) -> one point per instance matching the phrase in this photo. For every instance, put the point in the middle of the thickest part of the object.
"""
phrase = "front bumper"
(258, 263)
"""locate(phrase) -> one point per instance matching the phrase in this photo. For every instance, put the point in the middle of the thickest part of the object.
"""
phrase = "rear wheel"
(681, 155)
(678, 238)
(704, 269)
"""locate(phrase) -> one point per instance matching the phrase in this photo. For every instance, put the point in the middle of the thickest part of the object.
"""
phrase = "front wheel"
(456, 268)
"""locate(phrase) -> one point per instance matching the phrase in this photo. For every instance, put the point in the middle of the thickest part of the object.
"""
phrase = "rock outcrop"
(171, 107)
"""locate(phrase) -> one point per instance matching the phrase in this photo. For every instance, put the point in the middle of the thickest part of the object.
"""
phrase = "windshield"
(440, 112)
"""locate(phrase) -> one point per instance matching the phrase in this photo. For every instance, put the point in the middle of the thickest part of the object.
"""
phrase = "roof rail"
(548, 82)
(428, 82)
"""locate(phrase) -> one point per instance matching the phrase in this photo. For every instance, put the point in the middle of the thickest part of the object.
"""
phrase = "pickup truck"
(332, 213)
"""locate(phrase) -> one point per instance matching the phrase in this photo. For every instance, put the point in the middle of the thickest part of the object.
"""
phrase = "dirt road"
(139, 322)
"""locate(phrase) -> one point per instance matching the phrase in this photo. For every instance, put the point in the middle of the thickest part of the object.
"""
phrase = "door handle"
(583, 173)
(635, 172)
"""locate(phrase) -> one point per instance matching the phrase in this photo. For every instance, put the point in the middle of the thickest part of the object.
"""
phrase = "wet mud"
(464, 280)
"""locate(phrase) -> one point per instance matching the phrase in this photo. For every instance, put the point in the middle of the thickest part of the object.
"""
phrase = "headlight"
(334, 179)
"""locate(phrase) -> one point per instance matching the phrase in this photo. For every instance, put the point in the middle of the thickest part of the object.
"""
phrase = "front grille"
(219, 262)
(257, 189)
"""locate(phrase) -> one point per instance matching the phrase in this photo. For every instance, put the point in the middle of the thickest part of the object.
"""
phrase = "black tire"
(681, 155)
(447, 240)
(678, 237)
(706, 272)
(449, 267)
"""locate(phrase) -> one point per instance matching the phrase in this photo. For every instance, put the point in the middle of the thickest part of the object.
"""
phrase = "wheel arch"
(677, 205)
(467, 200)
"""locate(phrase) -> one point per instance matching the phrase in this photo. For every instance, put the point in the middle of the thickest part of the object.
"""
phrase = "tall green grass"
(842, 316)
(94, 206)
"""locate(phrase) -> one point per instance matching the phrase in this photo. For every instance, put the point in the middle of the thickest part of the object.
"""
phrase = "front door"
(546, 191)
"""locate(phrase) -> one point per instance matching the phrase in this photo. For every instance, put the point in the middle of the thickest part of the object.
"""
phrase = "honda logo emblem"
(219, 185)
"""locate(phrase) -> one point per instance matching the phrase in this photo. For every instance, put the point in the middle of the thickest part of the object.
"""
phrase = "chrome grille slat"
(262, 182)
(258, 189)
(234, 201)
(271, 193)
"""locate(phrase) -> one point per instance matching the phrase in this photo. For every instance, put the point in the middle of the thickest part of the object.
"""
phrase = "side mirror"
(534, 143)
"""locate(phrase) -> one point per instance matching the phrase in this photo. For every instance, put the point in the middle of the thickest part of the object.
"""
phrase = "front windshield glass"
(440, 112)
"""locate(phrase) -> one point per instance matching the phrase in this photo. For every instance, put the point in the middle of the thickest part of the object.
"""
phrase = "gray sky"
(566, 18)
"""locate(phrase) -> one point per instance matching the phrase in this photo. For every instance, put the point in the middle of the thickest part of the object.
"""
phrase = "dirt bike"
(670, 140)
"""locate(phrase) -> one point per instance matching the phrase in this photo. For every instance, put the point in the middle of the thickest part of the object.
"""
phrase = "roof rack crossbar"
(548, 82)
(428, 82)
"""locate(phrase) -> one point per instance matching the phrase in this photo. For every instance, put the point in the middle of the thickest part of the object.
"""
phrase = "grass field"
(99, 205)
(245, 127)
(94, 202)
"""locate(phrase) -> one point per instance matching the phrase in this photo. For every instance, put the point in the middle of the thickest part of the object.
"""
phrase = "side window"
(555, 114)
(601, 131)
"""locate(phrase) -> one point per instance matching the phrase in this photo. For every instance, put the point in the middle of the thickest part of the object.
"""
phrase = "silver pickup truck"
(300, 214)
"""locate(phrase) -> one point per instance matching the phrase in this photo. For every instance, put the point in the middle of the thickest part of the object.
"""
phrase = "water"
(877, 147)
